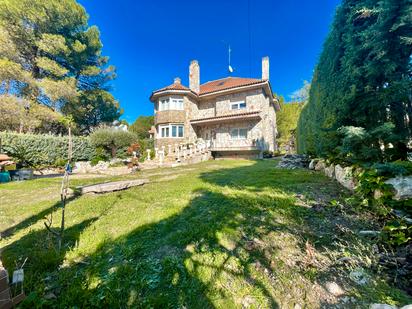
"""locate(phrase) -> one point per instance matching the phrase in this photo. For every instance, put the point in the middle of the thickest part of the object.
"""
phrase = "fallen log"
(110, 186)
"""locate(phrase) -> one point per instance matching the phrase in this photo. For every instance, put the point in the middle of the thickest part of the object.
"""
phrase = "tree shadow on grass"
(41, 251)
(211, 254)
(35, 218)
(195, 259)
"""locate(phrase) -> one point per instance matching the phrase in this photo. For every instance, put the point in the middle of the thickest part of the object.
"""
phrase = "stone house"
(234, 116)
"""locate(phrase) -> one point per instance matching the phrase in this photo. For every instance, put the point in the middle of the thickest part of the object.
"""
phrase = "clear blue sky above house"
(151, 42)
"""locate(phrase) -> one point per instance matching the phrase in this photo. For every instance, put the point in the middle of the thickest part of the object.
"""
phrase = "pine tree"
(50, 56)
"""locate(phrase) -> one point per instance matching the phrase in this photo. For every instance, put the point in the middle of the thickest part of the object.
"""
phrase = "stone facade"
(162, 117)
(259, 119)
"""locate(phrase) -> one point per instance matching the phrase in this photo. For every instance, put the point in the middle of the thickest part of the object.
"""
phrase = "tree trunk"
(114, 151)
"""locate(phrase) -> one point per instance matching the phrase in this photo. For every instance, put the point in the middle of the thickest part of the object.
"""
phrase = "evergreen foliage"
(286, 120)
(112, 140)
(142, 125)
(363, 82)
(49, 56)
(44, 150)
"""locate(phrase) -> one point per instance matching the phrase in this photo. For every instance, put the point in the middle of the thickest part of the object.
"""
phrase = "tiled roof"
(228, 116)
(227, 83)
(174, 86)
(215, 85)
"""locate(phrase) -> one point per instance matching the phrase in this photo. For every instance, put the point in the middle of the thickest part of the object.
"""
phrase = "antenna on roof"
(229, 67)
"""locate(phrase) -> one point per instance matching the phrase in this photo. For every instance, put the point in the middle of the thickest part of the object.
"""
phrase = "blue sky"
(151, 42)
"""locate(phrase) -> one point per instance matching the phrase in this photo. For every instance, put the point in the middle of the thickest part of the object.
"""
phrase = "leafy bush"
(100, 155)
(267, 154)
(396, 232)
(60, 162)
(407, 165)
(356, 143)
(113, 141)
(144, 145)
(31, 150)
(142, 126)
(389, 169)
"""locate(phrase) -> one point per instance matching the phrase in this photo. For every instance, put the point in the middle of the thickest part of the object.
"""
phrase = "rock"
(402, 187)
(320, 165)
(369, 233)
(50, 295)
(345, 177)
(377, 194)
(382, 306)
(407, 307)
(101, 165)
(82, 167)
(312, 164)
(359, 276)
(248, 301)
(402, 215)
(112, 186)
(334, 288)
(294, 161)
(330, 171)
(345, 259)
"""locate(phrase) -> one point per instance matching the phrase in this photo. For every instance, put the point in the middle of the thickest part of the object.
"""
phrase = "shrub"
(389, 169)
(407, 165)
(267, 154)
(100, 154)
(144, 145)
(31, 150)
(113, 141)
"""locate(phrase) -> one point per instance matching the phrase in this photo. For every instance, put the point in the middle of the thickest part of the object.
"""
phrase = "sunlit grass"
(224, 234)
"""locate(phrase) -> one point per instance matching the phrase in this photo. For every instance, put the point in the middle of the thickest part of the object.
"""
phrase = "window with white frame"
(171, 130)
(238, 133)
(238, 105)
(171, 103)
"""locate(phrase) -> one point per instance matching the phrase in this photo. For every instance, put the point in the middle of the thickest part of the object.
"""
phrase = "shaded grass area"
(220, 234)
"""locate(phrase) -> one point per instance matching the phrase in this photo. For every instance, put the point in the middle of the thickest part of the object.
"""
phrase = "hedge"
(45, 149)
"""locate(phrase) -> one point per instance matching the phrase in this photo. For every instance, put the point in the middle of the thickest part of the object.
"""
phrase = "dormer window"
(171, 103)
(238, 105)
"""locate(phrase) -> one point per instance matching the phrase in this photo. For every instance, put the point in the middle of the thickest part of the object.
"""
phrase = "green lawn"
(224, 234)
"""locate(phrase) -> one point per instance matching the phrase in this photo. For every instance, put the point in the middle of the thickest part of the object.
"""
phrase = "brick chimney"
(194, 76)
(265, 68)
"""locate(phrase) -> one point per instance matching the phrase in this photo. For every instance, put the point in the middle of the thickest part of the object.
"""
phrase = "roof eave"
(160, 93)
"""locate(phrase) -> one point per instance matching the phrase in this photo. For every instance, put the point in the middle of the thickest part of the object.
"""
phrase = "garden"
(215, 234)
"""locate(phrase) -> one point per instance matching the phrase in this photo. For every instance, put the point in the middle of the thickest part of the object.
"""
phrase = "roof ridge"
(215, 80)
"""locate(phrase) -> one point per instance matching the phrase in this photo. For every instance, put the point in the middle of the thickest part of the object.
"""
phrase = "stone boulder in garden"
(402, 187)
(344, 176)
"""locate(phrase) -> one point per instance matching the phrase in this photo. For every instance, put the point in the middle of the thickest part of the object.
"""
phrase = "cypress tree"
(363, 79)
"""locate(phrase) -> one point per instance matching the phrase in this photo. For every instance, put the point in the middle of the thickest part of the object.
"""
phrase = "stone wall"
(168, 141)
(171, 116)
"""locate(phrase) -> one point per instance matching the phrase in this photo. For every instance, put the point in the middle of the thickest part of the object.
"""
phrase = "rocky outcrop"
(294, 161)
(345, 177)
(402, 187)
